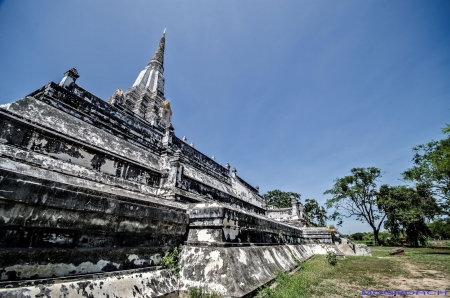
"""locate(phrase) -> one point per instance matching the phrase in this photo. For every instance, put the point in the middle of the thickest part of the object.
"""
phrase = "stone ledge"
(80, 277)
(32, 264)
(228, 244)
(134, 283)
(214, 223)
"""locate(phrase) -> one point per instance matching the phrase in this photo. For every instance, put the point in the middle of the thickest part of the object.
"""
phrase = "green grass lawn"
(419, 269)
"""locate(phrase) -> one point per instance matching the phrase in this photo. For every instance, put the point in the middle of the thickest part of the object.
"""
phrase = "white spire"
(152, 76)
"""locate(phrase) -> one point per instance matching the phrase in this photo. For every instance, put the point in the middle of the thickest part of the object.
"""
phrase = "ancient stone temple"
(93, 193)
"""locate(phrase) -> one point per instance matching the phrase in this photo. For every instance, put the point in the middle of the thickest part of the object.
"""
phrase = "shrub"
(331, 258)
(171, 258)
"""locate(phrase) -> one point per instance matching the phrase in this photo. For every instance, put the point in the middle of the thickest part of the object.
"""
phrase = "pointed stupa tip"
(159, 54)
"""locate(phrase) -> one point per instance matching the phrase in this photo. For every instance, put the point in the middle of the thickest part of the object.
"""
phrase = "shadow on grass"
(436, 253)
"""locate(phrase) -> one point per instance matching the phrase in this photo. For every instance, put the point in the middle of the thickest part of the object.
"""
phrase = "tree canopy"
(316, 213)
(431, 169)
(280, 199)
(406, 211)
(355, 195)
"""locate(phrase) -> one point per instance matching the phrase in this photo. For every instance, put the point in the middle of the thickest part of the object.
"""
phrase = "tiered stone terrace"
(93, 192)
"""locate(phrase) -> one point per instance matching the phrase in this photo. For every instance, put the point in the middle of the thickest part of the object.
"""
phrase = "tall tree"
(316, 213)
(432, 169)
(355, 195)
(280, 199)
(406, 211)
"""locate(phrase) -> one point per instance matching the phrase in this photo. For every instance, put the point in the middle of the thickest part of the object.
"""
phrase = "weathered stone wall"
(279, 213)
(68, 128)
(238, 271)
(220, 193)
(91, 231)
(215, 223)
(76, 196)
(22, 135)
(230, 271)
(200, 168)
(246, 192)
(140, 283)
(87, 107)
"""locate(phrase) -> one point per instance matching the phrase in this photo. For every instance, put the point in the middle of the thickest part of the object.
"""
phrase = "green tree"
(280, 199)
(316, 213)
(440, 228)
(357, 236)
(355, 195)
(432, 169)
(406, 211)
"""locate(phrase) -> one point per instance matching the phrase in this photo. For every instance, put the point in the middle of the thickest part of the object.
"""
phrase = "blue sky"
(292, 93)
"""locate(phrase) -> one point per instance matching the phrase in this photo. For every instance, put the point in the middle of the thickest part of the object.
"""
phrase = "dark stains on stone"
(64, 292)
(44, 292)
(82, 286)
(20, 188)
(12, 275)
(97, 162)
(137, 290)
(51, 145)
(16, 293)
(53, 224)
(109, 267)
(55, 146)
(92, 109)
(15, 135)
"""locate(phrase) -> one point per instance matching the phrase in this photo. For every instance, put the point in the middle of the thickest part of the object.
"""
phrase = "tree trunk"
(375, 236)
(416, 238)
